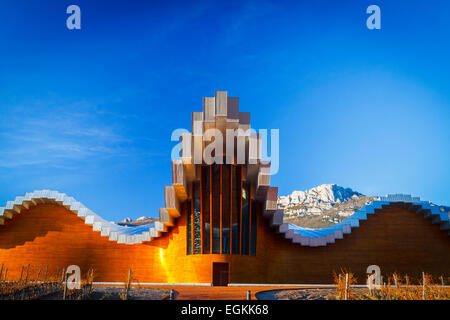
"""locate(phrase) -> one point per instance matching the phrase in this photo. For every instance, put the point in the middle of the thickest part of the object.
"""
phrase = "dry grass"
(344, 280)
(37, 284)
(396, 287)
(127, 285)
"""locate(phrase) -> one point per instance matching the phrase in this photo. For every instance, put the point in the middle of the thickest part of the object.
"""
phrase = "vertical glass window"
(221, 217)
(206, 190)
(216, 208)
(226, 190)
(189, 227)
(245, 218)
(253, 226)
(236, 208)
(197, 220)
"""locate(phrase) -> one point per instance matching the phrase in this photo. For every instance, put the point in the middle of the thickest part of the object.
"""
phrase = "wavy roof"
(322, 237)
(303, 236)
(115, 232)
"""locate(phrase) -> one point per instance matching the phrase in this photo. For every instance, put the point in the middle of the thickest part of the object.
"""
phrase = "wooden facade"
(51, 234)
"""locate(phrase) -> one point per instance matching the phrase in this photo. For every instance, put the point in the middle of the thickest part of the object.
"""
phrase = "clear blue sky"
(90, 112)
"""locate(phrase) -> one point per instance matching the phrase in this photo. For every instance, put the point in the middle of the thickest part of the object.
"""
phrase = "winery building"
(220, 225)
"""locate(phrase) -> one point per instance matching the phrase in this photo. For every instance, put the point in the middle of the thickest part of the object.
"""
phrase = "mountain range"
(321, 206)
(318, 207)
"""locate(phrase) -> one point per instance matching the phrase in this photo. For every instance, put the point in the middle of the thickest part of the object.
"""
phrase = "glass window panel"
(226, 193)
(236, 206)
(206, 190)
(254, 216)
(189, 227)
(197, 220)
(216, 208)
(245, 218)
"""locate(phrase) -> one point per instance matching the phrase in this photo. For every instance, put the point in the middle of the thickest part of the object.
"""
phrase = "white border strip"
(325, 285)
(306, 286)
(279, 285)
(291, 285)
(152, 284)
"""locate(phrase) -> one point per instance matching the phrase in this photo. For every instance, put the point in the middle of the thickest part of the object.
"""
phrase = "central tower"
(222, 178)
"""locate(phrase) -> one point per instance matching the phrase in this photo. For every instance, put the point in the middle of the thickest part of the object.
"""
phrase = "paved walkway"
(216, 293)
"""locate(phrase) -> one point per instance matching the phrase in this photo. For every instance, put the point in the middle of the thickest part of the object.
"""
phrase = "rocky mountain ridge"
(138, 222)
(321, 206)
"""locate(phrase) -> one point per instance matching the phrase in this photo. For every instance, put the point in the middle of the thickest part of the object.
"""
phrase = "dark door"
(220, 273)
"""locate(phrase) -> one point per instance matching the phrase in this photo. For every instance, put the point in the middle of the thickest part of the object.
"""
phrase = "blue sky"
(90, 112)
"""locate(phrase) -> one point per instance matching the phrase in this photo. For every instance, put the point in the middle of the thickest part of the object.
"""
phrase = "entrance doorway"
(220, 273)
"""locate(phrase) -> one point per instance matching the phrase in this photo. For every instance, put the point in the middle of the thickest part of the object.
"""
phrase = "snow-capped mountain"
(321, 206)
(138, 222)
